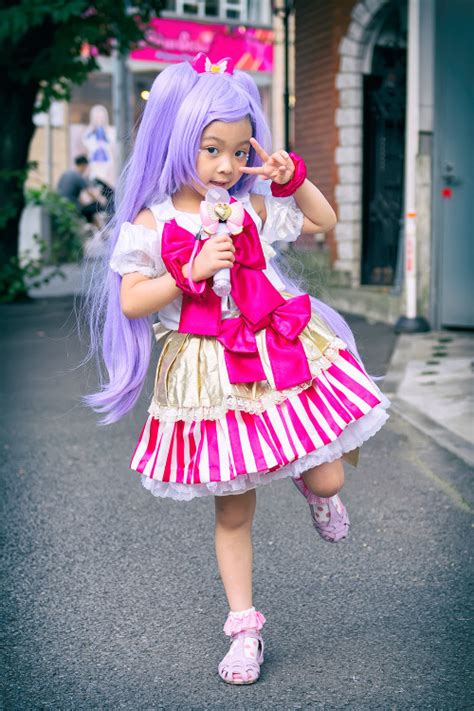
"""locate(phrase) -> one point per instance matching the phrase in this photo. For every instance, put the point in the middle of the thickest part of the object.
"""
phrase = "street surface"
(111, 598)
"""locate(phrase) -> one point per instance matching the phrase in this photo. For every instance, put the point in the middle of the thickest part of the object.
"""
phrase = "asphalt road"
(111, 599)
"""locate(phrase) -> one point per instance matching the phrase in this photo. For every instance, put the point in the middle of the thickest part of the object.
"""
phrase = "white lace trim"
(137, 250)
(354, 435)
(253, 407)
(242, 613)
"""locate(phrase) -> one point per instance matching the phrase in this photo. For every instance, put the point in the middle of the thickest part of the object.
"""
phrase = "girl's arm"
(318, 213)
(142, 296)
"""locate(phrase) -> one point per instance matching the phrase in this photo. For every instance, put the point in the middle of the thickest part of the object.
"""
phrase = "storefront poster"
(173, 41)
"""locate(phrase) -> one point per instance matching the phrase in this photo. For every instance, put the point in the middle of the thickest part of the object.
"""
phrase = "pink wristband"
(296, 182)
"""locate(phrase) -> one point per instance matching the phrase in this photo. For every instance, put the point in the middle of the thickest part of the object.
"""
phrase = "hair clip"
(202, 64)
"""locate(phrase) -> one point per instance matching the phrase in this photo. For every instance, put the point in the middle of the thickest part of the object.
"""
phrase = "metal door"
(384, 147)
(453, 200)
(384, 142)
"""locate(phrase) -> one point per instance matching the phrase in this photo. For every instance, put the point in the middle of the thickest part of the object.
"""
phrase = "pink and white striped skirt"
(206, 436)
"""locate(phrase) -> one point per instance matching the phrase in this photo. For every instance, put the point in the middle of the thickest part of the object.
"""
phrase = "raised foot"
(330, 518)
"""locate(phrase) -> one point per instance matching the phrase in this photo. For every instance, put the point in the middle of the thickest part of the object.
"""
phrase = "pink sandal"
(329, 515)
(241, 664)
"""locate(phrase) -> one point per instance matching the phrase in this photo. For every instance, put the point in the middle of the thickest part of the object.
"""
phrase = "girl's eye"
(241, 154)
(212, 150)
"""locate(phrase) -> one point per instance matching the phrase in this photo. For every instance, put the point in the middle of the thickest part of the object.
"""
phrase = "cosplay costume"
(250, 387)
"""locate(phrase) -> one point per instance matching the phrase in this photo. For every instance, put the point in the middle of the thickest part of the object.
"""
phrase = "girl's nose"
(225, 165)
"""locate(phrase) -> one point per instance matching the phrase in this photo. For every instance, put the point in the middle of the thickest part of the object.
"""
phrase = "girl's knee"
(235, 511)
(326, 479)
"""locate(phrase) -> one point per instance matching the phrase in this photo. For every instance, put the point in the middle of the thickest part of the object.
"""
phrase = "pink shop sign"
(174, 41)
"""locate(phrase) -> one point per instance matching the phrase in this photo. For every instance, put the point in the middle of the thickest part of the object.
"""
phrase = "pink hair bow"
(202, 64)
(214, 212)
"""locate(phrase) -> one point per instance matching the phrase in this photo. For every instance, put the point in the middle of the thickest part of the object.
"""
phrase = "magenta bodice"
(260, 305)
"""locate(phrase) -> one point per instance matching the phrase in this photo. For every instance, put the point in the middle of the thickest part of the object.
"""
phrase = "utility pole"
(48, 143)
(411, 323)
(121, 106)
(284, 10)
(121, 101)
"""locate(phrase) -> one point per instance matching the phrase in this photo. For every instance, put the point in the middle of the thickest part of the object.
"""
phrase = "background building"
(350, 124)
(241, 29)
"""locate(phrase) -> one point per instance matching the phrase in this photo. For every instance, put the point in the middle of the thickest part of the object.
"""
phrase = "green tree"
(40, 60)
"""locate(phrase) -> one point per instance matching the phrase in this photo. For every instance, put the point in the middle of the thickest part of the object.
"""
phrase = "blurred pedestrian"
(73, 184)
(254, 383)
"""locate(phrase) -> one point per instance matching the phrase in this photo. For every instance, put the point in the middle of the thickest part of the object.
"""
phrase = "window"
(255, 11)
(211, 8)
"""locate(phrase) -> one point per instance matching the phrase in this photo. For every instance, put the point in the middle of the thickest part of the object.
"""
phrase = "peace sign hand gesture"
(278, 167)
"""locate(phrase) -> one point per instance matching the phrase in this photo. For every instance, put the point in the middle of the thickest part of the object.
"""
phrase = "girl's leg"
(233, 535)
(320, 486)
(326, 479)
(233, 540)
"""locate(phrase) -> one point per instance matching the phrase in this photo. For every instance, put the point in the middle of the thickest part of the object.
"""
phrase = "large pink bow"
(241, 354)
(254, 294)
(285, 352)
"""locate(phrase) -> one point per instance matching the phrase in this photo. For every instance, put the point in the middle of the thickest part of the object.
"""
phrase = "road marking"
(402, 427)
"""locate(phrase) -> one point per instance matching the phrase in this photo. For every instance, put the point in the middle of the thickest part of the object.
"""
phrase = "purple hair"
(335, 321)
(181, 104)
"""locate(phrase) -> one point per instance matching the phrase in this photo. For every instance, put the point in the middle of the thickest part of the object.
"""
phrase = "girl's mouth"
(218, 184)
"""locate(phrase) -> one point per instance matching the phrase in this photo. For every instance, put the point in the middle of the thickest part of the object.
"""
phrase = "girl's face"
(224, 148)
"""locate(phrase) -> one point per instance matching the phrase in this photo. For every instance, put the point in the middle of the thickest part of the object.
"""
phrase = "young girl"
(253, 386)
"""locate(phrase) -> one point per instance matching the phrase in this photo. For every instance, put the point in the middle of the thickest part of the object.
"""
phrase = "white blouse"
(138, 248)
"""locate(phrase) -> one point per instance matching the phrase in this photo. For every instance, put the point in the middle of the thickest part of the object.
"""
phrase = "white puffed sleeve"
(137, 250)
(284, 220)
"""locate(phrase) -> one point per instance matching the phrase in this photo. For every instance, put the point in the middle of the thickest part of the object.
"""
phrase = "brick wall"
(320, 26)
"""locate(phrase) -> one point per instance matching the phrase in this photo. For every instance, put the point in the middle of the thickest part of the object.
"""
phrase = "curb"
(444, 437)
(441, 435)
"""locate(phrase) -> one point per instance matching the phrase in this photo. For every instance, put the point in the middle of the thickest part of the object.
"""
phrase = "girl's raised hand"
(278, 167)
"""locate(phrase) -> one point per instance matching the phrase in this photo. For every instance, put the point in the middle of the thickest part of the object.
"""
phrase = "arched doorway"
(384, 100)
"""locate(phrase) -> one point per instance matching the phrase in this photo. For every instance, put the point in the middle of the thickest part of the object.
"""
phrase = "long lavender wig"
(180, 106)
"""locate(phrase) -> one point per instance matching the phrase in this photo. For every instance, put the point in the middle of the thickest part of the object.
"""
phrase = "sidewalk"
(431, 384)
(94, 565)
(76, 276)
